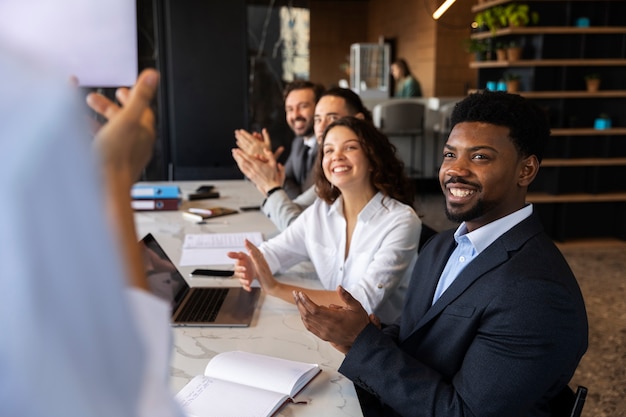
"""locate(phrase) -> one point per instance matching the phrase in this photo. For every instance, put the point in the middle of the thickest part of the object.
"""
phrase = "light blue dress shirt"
(470, 245)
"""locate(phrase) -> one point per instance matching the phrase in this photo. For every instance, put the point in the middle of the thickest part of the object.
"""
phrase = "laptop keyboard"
(203, 305)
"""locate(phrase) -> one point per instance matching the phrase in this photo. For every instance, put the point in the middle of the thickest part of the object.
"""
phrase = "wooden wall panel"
(335, 25)
(433, 49)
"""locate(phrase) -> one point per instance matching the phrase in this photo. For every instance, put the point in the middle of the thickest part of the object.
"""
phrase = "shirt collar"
(484, 236)
(366, 213)
(310, 141)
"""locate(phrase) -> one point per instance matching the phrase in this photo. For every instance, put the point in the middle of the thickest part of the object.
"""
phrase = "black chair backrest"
(426, 233)
(568, 404)
(401, 116)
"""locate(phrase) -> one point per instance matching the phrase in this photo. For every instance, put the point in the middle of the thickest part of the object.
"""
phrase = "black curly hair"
(388, 175)
(528, 124)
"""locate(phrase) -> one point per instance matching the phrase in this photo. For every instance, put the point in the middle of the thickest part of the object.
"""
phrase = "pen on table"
(206, 212)
(197, 214)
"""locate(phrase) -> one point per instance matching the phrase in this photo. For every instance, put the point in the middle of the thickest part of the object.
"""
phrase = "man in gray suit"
(494, 323)
(300, 99)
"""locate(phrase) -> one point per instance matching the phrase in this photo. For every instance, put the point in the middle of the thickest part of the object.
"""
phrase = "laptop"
(198, 306)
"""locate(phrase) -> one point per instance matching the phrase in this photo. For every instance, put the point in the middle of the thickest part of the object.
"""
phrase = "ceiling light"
(442, 9)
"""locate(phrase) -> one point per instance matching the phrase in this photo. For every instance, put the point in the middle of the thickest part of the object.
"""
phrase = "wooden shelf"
(558, 61)
(551, 30)
(539, 198)
(582, 162)
(588, 131)
(490, 3)
(574, 94)
(550, 63)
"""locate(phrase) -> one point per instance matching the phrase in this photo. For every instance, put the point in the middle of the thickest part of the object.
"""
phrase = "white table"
(276, 328)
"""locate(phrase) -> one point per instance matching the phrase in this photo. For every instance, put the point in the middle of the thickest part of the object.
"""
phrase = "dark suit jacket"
(502, 340)
(296, 165)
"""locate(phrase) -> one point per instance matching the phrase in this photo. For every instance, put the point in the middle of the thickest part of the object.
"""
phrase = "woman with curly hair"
(362, 233)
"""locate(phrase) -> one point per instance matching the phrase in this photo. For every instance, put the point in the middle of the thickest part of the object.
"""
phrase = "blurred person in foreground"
(82, 336)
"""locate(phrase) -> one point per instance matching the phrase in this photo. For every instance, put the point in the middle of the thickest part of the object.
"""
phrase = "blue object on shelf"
(582, 22)
(501, 86)
(602, 124)
(491, 85)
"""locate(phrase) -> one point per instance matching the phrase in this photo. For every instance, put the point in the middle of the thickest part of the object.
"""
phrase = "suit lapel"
(496, 254)
(490, 258)
(424, 279)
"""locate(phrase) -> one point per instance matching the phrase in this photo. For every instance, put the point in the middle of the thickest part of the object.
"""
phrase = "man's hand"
(339, 325)
(125, 142)
(266, 173)
(255, 144)
(252, 143)
(124, 145)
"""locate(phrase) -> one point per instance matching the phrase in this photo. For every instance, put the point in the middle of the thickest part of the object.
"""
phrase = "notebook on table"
(197, 306)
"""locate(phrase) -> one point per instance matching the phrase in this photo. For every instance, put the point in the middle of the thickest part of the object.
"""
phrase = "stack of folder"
(155, 197)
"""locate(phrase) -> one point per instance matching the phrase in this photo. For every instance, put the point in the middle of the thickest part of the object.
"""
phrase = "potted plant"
(518, 14)
(593, 82)
(490, 19)
(501, 48)
(479, 47)
(512, 82)
(513, 51)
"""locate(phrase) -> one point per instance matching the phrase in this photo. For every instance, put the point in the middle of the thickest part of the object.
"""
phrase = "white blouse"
(382, 253)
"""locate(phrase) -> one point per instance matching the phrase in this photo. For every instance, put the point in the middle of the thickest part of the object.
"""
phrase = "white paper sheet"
(211, 248)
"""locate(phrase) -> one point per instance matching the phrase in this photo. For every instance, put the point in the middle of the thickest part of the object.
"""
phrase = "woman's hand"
(244, 268)
(263, 271)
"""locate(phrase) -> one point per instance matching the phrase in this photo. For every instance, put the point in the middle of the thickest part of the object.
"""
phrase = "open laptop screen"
(163, 278)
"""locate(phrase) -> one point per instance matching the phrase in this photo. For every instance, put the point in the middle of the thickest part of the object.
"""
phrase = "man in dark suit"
(494, 322)
(300, 99)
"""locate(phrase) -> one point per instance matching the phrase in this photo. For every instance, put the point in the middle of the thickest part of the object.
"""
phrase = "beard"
(473, 213)
(308, 131)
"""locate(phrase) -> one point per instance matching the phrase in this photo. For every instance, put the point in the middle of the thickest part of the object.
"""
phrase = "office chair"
(568, 404)
(402, 117)
(579, 401)
(441, 130)
(426, 233)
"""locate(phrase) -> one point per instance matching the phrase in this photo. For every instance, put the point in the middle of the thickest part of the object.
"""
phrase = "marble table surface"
(276, 328)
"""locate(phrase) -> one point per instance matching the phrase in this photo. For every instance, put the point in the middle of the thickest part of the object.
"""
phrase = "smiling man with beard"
(494, 323)
(300, 99)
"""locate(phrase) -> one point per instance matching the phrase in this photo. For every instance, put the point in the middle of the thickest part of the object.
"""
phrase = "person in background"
(494, 323)
(361, 233)
(81, 335)
(268, 175)
(300, 99)
(406, 83)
